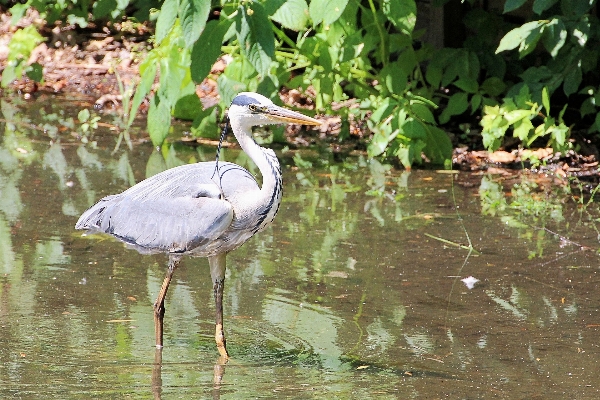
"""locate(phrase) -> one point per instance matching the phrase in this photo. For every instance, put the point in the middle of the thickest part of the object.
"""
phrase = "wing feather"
(177, 211)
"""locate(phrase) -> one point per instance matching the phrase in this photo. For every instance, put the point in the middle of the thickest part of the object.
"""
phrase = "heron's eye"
(253, 107)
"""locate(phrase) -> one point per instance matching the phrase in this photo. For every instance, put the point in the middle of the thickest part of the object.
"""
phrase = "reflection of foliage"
(527, 205)
(532, 208)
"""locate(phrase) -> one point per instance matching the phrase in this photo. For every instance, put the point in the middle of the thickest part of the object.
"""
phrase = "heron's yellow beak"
(283, 115)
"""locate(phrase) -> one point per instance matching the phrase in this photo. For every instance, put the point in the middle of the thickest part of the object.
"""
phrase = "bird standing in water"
(205, 209)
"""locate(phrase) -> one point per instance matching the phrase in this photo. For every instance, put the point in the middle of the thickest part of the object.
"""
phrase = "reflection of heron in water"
(206, 209)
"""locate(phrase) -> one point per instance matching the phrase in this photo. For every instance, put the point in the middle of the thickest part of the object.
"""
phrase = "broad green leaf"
(256, 37)
(378, 144)
(493, 86)
(423, 113)
(516, 115)
(546, 100)
(193, 14)
(395, 78)
(559, 135)
(83, 115)
(475, 103)
(522, 128)
(402, 13)
(205, 124)
(207, 48)
(554, 37)
(384, 110)
(438, 146)
(582, 31)
(326, 11)
(293, 14)
(597, 122)
(457, 104)
(539, 6)
(511, 5)
(576, 8)
(187, 107)
(434, 76)
(17, 12)
(229, 88)
(35, 72)
(148, 70)
(517, 36)
(174, 76)
(166, 20)
(572, 80)
(159, 121)
(103, 8)
(414, 129)
(467, 85)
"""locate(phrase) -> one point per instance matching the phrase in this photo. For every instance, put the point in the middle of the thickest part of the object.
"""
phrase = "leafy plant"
(519, 113)
(557, 51)
(19, 49)
(337, 49)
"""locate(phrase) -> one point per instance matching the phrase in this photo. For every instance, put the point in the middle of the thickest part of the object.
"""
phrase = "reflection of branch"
(25, 124)
(460, 246)
(563, 238)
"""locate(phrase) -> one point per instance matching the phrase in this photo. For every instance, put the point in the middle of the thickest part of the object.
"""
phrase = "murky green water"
(348, 295)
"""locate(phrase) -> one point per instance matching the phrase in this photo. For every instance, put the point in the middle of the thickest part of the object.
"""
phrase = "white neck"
(265, 159)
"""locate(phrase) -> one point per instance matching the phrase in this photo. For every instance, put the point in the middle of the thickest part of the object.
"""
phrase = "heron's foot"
(221, 342)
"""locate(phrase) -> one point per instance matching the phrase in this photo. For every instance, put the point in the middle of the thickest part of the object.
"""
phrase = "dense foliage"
(368, 54)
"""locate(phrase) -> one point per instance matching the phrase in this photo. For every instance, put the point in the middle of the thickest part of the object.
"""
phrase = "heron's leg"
(159, 304)
(217, 273)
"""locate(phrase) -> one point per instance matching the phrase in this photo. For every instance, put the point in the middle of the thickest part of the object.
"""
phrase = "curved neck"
(265, 159)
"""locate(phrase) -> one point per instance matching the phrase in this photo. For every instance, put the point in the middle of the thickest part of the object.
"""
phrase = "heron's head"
(250, 109)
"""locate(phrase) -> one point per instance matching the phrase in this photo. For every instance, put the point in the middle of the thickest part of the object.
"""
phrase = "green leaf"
(102, 8)
(402, 13)
(522, 128)
(83, 115)
(493, 86)
(159, 121)
(378, 144)
(187, 107)
(35, 72)
(326, 11)
(148, 70)
(572, 80)
(17, 12)
(457, 104)
(433, 75)
(205, 125)
(546, 100)
(166, 20)
(194, 14)
(256, 37)
(414, 129)
(229, 88)
(554, 37)
(539, 6)
(475, 102)
(438, 146)
(423, 112)
(467, 85)
(511, 5)
(395, 78)
(207, 48)
(293, 14)
(384, 110)
(517, 36)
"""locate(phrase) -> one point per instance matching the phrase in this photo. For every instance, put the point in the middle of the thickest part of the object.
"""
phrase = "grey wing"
(176, 211)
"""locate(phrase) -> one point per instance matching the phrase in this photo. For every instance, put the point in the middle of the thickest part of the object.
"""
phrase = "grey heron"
(205, 209)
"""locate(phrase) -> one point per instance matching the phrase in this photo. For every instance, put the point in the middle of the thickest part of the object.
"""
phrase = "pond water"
(356, 290)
